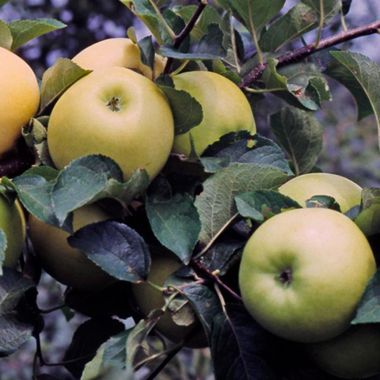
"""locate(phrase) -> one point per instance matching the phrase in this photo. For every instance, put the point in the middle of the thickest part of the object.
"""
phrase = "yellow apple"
(117, 52)
(353, 355)
(303, 273)
(115, 112)
(149, 298)
(346, 192)
(225, 109)
(12, 223)
(66, 264)
(19, 97)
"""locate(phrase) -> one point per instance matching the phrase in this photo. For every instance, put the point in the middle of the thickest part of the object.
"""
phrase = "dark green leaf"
(147, 51)
(300, 135)
(262, 204)
(187, 112)
(300, 19)
(240, 348)
(116, 248)
(208, 48)
(255, 13)
(13, 332)
(58, 78)
(216, 205)
(26, 30)
(360, 75)
(368, 310)
(175, 223)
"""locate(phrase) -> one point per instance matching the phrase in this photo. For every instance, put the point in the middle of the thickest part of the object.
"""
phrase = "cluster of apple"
(304, 272)
(116, 110)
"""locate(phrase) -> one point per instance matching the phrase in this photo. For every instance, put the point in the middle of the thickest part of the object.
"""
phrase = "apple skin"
(355, 354)
(117, 52)
(12, 222)
(303, 273)
(225, 109)
(66, 264)
(115, 112)
(19, 97)
(149, 298)
(346, 192)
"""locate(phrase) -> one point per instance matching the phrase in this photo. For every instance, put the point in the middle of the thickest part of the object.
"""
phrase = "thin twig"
(179, 38)
(162, 365)
(321, 22)
(301, 53)
(216, 278)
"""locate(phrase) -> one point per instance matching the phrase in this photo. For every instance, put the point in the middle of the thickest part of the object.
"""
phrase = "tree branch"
(216, 279)
(186, 31)
(301, 53)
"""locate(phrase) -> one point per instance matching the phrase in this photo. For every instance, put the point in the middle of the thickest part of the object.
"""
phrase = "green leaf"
(208, 48)
(300, 19)
(368, 310)
(187, 112)
(3, 247)
(2, 2)
(368, 218)
(81, 182)
(58, 78)
(255, 13)
(300, 134)
(216, 205)
(244, 148)
(116, 248)
(262, 204)
(360, 75)
(175, 223)
(26, 30)
(34, 191)
(13, 332)
(6, 38)
(147, 51)
(144, 10)
(322, 201)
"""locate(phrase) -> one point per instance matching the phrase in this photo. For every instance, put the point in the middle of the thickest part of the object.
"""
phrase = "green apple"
(12, 223)
(346, 192)
(19, 97)
(115, 112)
(66, 264)
(149, 298)
(303, 273)
(118, 52)
(353, 355)
(225, 109)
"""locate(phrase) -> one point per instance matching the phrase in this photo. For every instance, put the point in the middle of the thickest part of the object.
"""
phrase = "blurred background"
(350, 147)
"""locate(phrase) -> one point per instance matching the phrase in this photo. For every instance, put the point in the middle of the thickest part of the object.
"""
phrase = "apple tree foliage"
(202, 209)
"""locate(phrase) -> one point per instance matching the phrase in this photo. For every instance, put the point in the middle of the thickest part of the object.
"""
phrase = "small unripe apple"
(117, 52)
(353, 355)
(346, 192)
(149, 298)
(19, 97)
(303, 273)
(66, 264)
(225, 110)
(12, 223)
(115, 112)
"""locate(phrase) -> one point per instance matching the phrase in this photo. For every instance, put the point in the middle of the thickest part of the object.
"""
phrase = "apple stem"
(301, 53)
